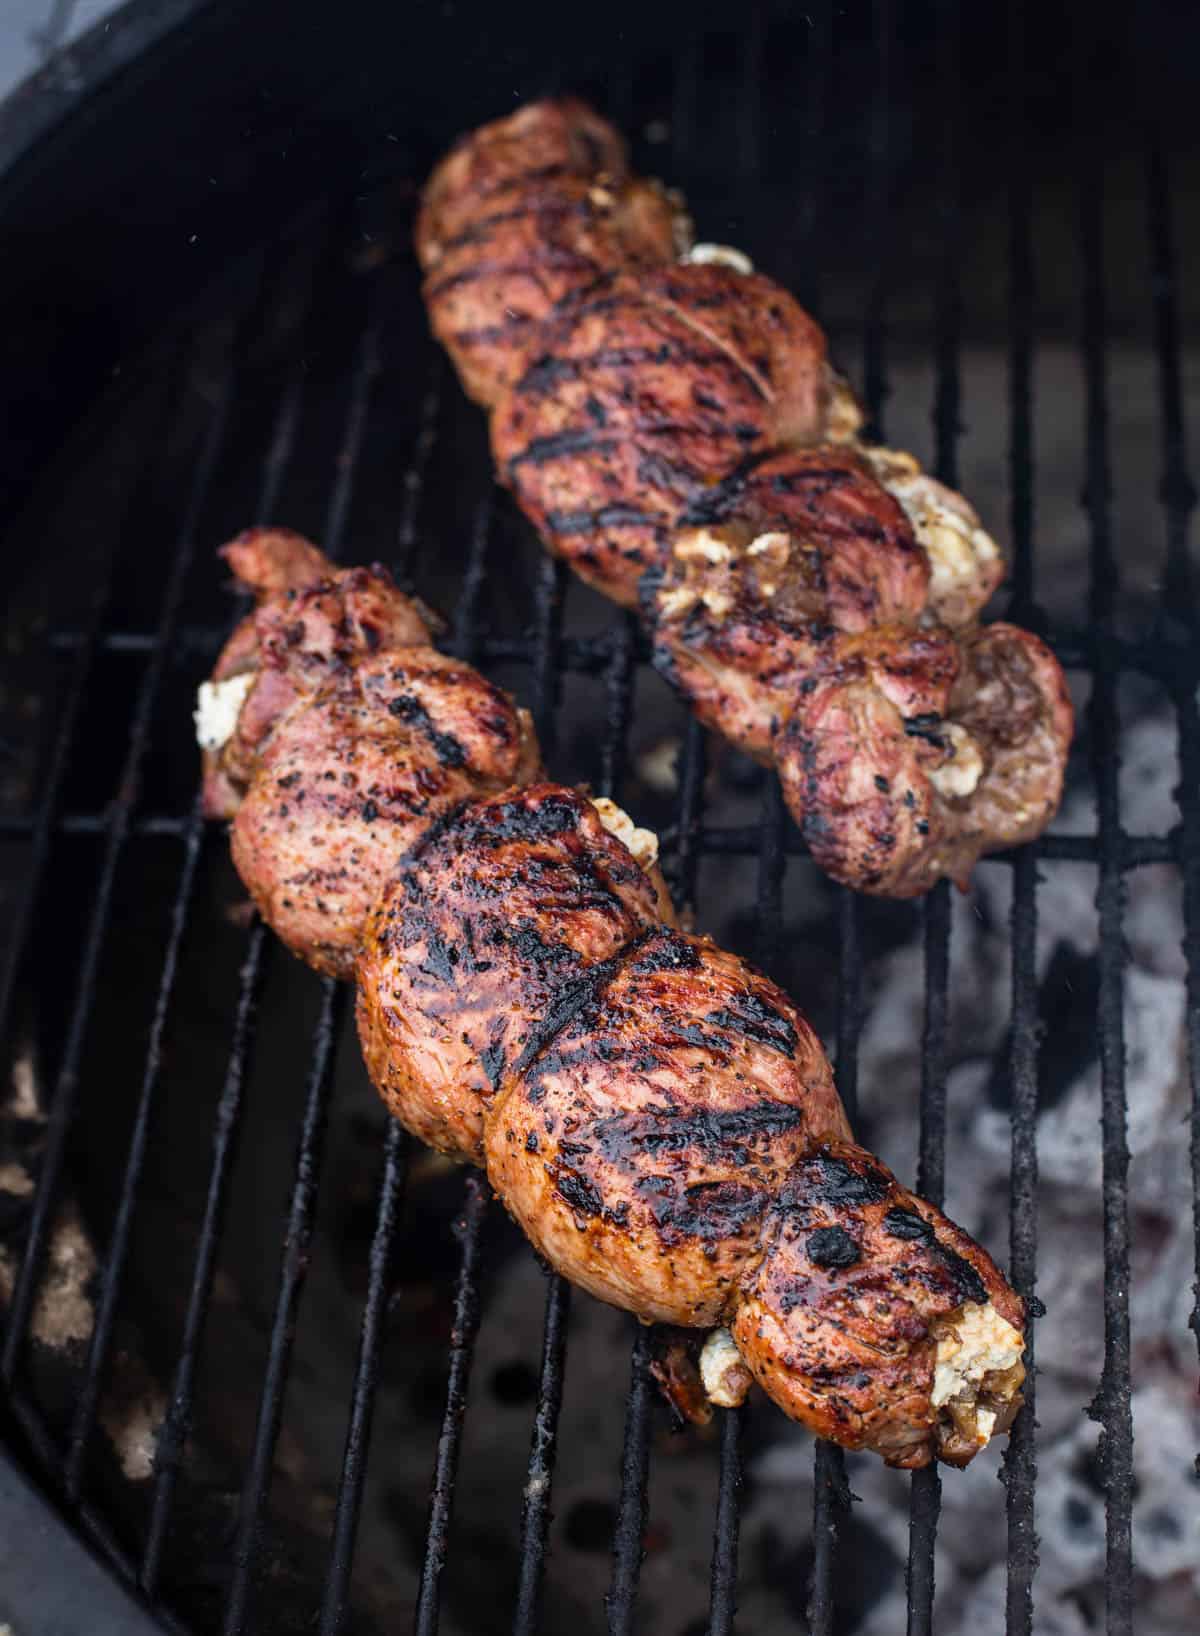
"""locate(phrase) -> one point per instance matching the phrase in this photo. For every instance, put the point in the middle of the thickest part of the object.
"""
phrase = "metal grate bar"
(114, 1265)
(44, 822)
(926, 1493)
(302, 1208)
(462, 1347)
(396, 1151)
(1112, 1402)
(1178, 494)
(68, 1081)
(1133, 851)
(633, 1504)
(173, 1434)
(298, 1238)
(768, 920)
(535, 1515)
(1020, 1455)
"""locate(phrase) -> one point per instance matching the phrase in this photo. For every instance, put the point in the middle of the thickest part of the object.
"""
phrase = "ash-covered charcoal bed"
(276, 1359)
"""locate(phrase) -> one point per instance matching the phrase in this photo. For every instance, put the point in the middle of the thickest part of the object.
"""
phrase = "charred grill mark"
(575, 1190)
(571, 1001)
(523, 820)
(543, 449)
(585, 522)
(834, 1181)
(493, 1058)
(710, 1211)
(906, 1224)
(712, 1131)
(669, 953)
(753, 1018)
(446, 747)
(969, 1286)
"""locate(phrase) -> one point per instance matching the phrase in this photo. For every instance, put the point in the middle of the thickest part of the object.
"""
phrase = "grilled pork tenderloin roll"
(334, 735)
(658, 1116)
(655, 439)
(662, 1123)
(525, 211)
(797, 613)
(642, 393)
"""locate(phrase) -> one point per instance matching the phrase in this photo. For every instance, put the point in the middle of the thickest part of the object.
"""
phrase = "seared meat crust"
(655, 436)
(311, 621)
(556, 137)
(639, 1142)
(643, 392)
(839, 1319)
(656, 1114)
(911, 753)
(351, 776)
(486, 922)
(520, 215)
(493, 285)
(763, 573)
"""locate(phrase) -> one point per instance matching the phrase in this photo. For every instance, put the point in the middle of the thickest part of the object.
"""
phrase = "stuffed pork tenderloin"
(674, 431)
(657, 1116)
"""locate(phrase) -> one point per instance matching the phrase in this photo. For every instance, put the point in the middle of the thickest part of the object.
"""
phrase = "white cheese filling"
(643, 843)
(717, 255)
(218, 705)
(844, 417)
(976, 1342)
(958, 776)
(725, 1378)
(945, 525)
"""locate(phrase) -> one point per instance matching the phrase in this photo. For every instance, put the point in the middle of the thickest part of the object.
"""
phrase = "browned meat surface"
(657, 434)
(557, 137)
(491, 287)
(472, 944)
(639, 1143)
(840, 1319)
(912, 754)
(764, 571)
(353, 736)
(642, 393)
(311, 620)
(526, 211)
(657, 1115)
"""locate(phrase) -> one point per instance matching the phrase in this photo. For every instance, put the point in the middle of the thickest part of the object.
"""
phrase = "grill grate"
(615, 657)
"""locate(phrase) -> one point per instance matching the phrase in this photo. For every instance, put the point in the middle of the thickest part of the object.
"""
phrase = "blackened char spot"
(709, 1211)
(526, 820)
(831, 1247)
(575, 1190)
(440, 959)
(967, 1282)
(446, 747)
(584, 522)
(925, 726)
(492, 1056)
(837, 1182)
(906, 1224)
(667, 1130)
(668, 952)
(571, 1000)
(544, 374)
(753, 1017)
(543, 449)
